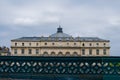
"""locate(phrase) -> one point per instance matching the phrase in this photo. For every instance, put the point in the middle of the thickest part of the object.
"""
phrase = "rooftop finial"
(59, 30)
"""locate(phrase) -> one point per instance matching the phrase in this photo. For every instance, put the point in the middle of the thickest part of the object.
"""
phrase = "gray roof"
(59, 36)
(91, 39)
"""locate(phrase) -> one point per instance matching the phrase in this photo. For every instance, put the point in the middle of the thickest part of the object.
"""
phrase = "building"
(4, 51)
(60, 44)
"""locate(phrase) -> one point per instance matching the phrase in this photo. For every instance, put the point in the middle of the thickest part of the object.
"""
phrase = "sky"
(84, 18)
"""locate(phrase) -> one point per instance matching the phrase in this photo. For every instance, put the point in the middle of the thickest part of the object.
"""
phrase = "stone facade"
(4, 51)
(60, 44)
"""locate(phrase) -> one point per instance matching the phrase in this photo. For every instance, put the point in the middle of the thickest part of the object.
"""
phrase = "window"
(97, 51)
(52, 53)
(90, 44)
(67, 54)
(36, 44)
(45, 43)
(74, 43)
(45, 54)
(37, 51)
(30, 51)
(104, 44)
(90, 51)
(67, 43)
(15, 44)
(53, 43)
(104, 51)
(22, 44)
(83, 44)
(29, 44)
(15, 51)
(60, 54)
(22, 51)
(75, 54)
(83, 51)
(97, 44)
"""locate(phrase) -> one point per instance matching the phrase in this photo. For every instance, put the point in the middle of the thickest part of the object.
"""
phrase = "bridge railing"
(28, 65)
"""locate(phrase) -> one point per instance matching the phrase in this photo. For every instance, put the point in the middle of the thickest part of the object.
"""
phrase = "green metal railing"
(88, 68)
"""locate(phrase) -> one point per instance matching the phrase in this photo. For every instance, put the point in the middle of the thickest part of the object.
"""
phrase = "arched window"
(60, 54)
(52, 53)
(67, 54)
(75, 54)
(45, 54)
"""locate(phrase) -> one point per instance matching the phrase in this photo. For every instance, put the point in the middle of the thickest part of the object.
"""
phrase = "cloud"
(77, 17)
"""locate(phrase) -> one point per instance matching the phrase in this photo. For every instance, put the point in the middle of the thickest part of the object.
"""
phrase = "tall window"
(15, 44)
(22, 51)
(37, 51)
(83, 51)
(22, 44)
(90, 51)
(97, 51)
(30, 51)
(104, 51)
(15, 51)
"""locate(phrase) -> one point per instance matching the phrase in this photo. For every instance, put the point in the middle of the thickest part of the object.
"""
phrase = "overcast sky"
(84, 18)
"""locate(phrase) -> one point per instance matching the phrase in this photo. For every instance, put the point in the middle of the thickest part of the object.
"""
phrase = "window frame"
(83, 51)
(15, 51)
(97, 52)
(37, 51)
(22, 51)
(29, 51)
(23, 44)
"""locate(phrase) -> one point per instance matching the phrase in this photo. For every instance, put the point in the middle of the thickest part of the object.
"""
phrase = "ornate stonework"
(60, 44)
